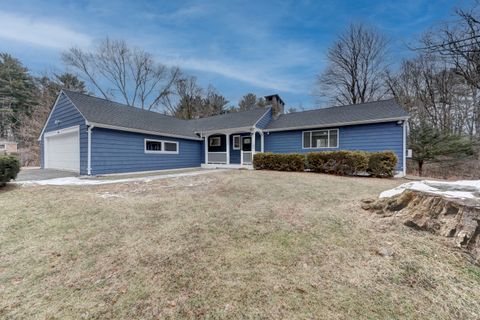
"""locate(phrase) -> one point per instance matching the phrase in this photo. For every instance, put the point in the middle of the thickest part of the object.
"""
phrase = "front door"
(247, 150)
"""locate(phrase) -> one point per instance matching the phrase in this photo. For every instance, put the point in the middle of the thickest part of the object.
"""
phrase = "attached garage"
(62, 149)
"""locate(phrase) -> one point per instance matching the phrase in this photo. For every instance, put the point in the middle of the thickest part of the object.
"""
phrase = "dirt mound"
(458, 219)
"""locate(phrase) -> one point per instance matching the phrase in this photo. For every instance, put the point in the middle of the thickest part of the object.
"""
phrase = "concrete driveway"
(43, 174)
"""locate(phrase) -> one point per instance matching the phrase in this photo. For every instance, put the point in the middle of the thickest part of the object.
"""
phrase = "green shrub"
(377, 164)
(9, 168)
(382, 164)
(338, 162)
(279, 162)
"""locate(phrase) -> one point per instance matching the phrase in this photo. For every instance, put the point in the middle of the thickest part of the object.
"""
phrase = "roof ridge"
(227, 113)
(331, 107)
(121, 104)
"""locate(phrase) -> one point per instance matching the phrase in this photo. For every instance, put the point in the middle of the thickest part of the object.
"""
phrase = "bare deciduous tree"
(459, 43)
(357, 62)
(114, 68)
(190, 99)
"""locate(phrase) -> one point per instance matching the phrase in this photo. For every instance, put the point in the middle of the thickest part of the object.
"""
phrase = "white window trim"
(328, 139)
(163, 147)
(239, 142)
(211, 139)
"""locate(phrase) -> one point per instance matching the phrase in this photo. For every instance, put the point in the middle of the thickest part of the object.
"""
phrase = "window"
(215, 142)
(236, 142)
(170, 146)
(320, 139)
(160, 146)
(2, 147)
(154, 145)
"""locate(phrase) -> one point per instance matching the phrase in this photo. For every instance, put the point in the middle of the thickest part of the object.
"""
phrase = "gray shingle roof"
(230, 120)
(365, 112)
(111, 113)
(105, 112)
(98, 110)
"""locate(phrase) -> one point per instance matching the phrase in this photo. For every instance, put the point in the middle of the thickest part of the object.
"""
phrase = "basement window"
(161, 146)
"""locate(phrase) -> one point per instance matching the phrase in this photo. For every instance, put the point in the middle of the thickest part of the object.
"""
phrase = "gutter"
(154, 133)
(338, 124)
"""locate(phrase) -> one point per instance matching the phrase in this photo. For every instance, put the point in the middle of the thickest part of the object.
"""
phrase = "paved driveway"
(43, 174)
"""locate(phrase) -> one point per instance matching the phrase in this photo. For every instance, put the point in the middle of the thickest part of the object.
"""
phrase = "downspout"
(89, 150)
(405, 125)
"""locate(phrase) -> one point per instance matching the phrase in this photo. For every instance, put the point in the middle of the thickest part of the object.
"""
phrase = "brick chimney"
(276, 102)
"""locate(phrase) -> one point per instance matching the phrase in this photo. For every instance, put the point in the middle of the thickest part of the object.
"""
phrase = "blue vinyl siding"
(68, 116)
(115, 151)
(367, 137)
(258, 142)
(265, 120)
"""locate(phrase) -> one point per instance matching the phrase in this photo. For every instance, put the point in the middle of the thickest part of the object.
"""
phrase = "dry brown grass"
(240, 244)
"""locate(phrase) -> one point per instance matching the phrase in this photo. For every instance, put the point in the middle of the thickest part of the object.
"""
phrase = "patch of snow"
(75, 181)
(463, 189)
(107, 195)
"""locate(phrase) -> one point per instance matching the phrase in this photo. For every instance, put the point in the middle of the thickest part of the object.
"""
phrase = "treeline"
(25, 102)
(439, 86)
(112, 70)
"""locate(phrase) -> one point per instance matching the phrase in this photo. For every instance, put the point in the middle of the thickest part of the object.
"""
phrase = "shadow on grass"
(8, 187)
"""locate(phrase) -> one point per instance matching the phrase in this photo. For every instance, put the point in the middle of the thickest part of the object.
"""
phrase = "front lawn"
(236, 244)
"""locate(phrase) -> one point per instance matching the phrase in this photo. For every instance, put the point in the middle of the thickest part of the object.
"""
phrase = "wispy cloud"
(259, 77)
(43, 33)
(178, 15)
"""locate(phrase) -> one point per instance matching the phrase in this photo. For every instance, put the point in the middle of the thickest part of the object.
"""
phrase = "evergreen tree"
(213, 104)
(250, 101)
(429, 144)
(17, 95)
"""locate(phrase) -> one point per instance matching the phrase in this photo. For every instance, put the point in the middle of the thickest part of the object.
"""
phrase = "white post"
(206, 149)
(405, 124)
(89, 150)
(228, 147)
(241, 149)
(253, 144)
(262, 142)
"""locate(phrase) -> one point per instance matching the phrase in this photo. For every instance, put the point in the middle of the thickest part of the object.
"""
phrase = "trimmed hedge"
(338, 162)
(9, 168)
(377, 164)
(382, 164)
(279, 161)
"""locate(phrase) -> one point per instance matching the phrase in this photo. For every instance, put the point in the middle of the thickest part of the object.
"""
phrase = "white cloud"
(257, 76)
(39, 32)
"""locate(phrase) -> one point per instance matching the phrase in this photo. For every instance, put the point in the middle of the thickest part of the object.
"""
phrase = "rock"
(385, 252)
(458, 219)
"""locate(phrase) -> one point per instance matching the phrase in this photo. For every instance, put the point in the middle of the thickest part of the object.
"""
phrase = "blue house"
(94, 136)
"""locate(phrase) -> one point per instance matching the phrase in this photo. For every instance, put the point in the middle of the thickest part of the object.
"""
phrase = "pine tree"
(429, 144)
(17, 95)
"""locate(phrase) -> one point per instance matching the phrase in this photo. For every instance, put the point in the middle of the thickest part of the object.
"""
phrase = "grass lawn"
(236, 244)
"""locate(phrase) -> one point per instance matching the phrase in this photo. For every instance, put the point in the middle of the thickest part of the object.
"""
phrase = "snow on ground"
(75, 181)
(463, 189)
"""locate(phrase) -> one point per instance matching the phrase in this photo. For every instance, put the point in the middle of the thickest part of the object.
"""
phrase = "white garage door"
(62, 149)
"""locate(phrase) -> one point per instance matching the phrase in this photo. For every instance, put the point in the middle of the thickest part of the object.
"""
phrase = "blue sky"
(262, 47)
